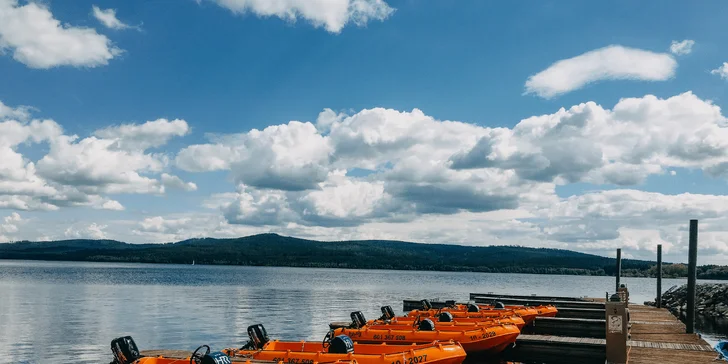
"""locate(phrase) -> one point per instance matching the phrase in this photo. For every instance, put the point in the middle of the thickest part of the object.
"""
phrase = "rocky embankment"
(710, 299)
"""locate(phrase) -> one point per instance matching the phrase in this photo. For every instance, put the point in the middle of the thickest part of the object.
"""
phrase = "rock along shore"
(710, 299)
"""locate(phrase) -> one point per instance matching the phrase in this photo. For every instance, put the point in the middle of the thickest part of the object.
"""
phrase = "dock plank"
(642, 355)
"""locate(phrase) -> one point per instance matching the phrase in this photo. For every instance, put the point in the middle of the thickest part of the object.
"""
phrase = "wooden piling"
(658, 299)
(618, 273)
(692, 265)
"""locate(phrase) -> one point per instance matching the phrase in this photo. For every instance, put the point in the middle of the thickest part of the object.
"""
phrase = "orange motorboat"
(125, 351)
(444, 319)
(488, 339)
(540, 310)
(476, 311)
(341, 347)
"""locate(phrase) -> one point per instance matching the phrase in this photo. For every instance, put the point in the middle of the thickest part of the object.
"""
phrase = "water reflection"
(50, 312)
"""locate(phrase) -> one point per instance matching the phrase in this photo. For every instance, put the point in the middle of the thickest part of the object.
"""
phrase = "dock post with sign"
(617, 327)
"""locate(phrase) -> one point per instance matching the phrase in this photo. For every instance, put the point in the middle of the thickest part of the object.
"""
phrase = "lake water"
(55, 312)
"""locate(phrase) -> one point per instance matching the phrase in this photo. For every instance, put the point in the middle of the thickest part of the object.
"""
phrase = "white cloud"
(294, 173)
(108, 18)
(291, 156)
(18, 113)
(89, 231)
(624, 145)
(9, 227)
(38, 40)
(682, 48)
(10, 223)
(170, 181)
(614, 62)
(161, 225)
(634, 219)
(721, 71)
(333, 15)
(151, 134)
(80, 172)
(112, 205)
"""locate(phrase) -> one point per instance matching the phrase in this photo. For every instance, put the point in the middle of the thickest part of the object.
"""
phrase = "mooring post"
(658, 300)
(692, 265)
(619, 268)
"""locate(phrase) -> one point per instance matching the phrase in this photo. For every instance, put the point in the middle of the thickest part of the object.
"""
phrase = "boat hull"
(491, 339)
(432, 352)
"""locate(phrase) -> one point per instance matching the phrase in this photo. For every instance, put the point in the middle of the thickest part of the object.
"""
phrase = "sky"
(563, 124)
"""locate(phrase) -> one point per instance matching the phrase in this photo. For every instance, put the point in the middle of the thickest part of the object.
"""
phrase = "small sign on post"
(617, 327)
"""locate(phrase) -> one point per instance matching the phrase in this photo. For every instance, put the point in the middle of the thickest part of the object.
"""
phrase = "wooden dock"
(576, 335)
(656, 337)
(659, 337)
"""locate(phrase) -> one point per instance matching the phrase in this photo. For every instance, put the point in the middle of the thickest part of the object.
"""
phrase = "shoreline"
(515, 270)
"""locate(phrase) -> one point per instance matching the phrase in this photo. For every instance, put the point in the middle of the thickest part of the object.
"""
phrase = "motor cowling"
(445, 317)
(473, 308)
(216, 358)
(387, 313)
(358, 320)
(258, 336)
(341, 344)
(426, 325)
(450, 303)
(125, 350)
(499, 306)
(426, 304)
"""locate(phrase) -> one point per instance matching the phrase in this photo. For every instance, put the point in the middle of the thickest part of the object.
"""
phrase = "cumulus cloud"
(174, 182)
(9, 226)
(151, 134)
(10, 223)
(721, 71)
(332, 15)
(636, 138)
(613, 62)
(682, 48)
(419, 165)
(35, 38)
(108, 18)
(290, 156)
(639, 220)
(81, 171)
(83, 231)
(17, 113)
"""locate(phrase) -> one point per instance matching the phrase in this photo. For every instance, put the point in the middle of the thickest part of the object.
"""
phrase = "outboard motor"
(387, 313)
(450, 303)
(358, 320)
(426, 305)
(445, 317)
(258, 337)
(499, 306)
(426, 325)
(216, 358)
(473, 308)
(125, 350)
(341, 344)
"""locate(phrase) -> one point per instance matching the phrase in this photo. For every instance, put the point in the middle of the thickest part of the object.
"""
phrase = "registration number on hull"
(390, 337)
(413, 360)
(294, 360)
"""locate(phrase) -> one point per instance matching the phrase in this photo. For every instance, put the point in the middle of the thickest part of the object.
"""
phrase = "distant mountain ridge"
(276, 250)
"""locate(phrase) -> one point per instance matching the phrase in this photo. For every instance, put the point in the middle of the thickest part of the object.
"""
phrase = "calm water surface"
(69, 312)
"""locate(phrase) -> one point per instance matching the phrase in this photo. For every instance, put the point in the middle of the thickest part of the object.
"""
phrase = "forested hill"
(276, 250)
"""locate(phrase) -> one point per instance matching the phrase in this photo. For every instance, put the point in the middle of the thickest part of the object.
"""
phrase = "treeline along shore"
(277, 250)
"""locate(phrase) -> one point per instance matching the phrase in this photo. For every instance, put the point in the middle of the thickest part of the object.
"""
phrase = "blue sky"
(374, 84)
